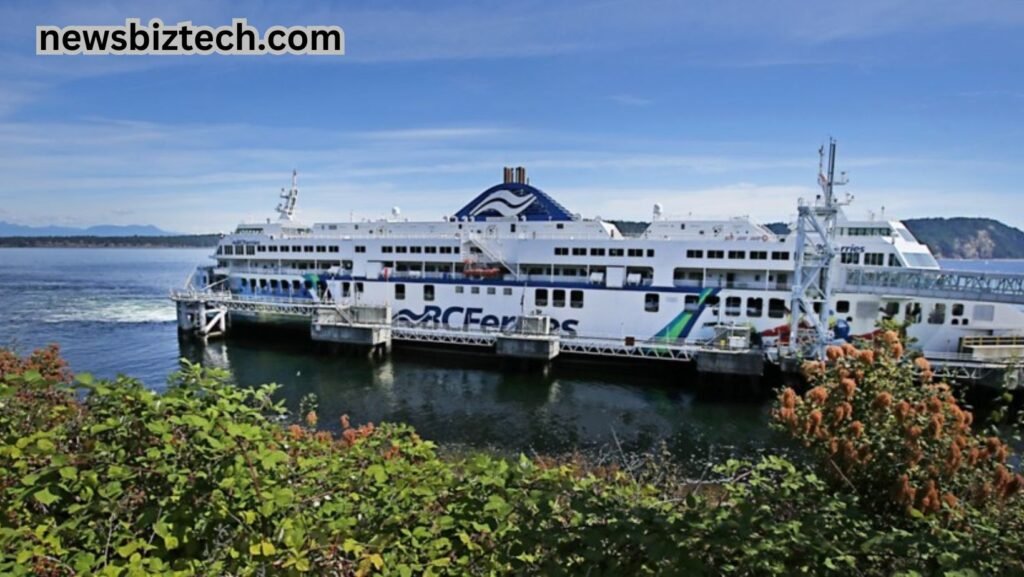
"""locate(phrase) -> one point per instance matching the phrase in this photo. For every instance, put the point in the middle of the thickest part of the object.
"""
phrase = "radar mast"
(286, 208)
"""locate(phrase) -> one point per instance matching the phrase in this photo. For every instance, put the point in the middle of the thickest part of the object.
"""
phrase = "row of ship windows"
(251, 249)
(428, 291)
(870, 259)
(418, 249)
(737, 254)
(580, 251)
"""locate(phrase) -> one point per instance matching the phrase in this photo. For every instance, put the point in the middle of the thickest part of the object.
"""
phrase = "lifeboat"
(471, 269)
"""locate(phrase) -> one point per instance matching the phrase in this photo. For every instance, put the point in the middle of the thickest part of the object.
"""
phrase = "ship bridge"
(942, 284)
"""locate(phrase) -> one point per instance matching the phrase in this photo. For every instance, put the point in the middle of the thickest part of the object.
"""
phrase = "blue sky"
(712, 108)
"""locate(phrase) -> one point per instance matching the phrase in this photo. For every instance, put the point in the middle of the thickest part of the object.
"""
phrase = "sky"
(713, 108)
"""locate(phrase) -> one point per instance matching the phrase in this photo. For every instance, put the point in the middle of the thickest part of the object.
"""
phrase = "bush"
(109, 478)
(881, 428)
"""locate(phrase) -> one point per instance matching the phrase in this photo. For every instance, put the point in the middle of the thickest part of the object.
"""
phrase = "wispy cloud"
(630, 100)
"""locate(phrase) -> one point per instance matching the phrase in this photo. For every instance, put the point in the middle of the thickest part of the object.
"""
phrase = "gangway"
(944, 284)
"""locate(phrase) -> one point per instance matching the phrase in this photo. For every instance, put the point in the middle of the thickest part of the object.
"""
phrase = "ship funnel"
(507, 178)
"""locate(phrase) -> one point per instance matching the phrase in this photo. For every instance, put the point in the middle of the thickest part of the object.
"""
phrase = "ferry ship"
(514, 252)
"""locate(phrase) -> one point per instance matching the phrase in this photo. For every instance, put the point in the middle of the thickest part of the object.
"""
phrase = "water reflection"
(466, 400)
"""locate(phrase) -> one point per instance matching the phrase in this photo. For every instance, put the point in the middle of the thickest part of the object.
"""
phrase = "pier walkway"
(945, 284)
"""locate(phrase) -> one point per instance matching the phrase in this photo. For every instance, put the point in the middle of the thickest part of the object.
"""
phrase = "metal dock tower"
(814, 256)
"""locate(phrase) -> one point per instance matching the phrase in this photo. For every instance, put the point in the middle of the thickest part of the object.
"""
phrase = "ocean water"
(110, 312)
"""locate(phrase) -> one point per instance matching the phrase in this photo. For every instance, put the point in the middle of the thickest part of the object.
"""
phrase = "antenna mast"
(815, 252)
(286, 208)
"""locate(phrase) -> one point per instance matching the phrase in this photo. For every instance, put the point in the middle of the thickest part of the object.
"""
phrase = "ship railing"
(997, 287)
(223, 296)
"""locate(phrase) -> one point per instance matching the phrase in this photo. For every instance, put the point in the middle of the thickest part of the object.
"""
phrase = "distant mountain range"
(10, 229)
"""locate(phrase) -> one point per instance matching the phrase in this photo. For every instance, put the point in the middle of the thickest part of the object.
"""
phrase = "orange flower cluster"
(46, 361)
(867, 414)
(352, 436)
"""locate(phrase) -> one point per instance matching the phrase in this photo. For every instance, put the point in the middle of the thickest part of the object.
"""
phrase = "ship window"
(459, 290)
(346, 289)
(261, 248)
(576, 299)
(561, 251)
(272, 248)
(843, 307)
(540, 297)
(891, 309)
(428, 292)
(307, 248)
(334, 248)
(874, 259)
(263, 283)
(984, 312)
(691, 304)
(559, 226)
(308, 284)
(399, 292)
(360, 248)
(229, 250)
(321, 249)
(558, 298)
(491, 290)
(732, 306)
(780, 255)
(597, 252)
(958, 309)
(938, 314)
(512, 227)
(250, 250)
(446, 250)
(693, 253)
(776, 308)
(387, 249)
(507, 291)
(359, 288)
(416, 249)
(912, 313)
(755, 306)
(650, 253)
(894, 260)
(737, 254)
(616, 252)
(850, 258)
(716, 254)
(401, 249)
(430, 249)
(651, 302)
(579, 252)
(635, 252)
(475, 290)
(758, 255)
(273, 283)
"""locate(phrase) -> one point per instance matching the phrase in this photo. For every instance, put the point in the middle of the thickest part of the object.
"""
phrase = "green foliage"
(109, 478)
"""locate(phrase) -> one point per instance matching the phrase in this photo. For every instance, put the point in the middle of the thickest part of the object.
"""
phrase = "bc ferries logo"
(464, 317)
(503, 202)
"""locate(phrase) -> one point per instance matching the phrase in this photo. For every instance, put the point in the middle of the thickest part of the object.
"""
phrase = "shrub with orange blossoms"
(879, 424)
